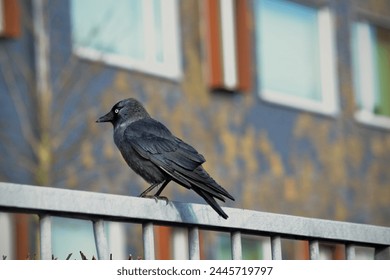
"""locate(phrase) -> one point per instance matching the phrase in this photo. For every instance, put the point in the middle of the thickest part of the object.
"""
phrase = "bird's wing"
(153, 141)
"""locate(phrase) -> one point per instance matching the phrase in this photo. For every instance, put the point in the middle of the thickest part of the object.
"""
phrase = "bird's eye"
(116, 111)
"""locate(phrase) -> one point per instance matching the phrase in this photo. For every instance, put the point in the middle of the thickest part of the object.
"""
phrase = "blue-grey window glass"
(159, 30)
(72, 236)
(288, 48)
(115, 27)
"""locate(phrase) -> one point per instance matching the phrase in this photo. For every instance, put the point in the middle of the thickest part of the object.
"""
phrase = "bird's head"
(125, 111)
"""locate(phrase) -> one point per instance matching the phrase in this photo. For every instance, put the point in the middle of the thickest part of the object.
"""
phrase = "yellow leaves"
(177, 121)
(108, 150)
(290, 189)
(229, 141)
(264, 144)
(45, 158)
(340, 160)
(87, 157)
(248, 145)
(306, 176)
(194, 86)
(303, 125)
(378, 147)
(121, 83)
(273, 157)
(341, 210)
(276, 165)
(331, 153)
(383, 195)
(71, 176)
(45, 152)
(92, 115)
(332, 157)
(355, 151)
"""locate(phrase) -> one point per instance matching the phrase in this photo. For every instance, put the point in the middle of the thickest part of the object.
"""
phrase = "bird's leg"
(157, 195)
(148, 190)
(162, 187)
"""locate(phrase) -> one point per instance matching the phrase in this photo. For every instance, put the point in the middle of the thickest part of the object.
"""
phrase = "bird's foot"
(148, 190)
(144, 195)
(156, 198)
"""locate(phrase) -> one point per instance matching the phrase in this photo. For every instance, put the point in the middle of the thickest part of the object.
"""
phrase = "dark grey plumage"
(159, 157)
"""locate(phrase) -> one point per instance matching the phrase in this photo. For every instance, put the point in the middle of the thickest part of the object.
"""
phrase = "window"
(73, 235)
(371, 56)
(138, 34)
(253, 248)
(295, 55)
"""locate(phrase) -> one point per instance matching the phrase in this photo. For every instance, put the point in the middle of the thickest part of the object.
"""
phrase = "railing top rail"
(91, 205)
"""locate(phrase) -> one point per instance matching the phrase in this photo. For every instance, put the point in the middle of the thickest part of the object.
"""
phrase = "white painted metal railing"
(98, 207)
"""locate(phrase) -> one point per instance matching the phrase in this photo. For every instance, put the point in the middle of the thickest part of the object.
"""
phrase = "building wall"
(272, 158)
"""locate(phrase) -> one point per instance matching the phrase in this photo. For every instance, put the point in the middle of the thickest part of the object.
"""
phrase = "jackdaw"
(158, 156)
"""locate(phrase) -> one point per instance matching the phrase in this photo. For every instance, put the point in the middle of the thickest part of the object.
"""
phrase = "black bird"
(158, 156)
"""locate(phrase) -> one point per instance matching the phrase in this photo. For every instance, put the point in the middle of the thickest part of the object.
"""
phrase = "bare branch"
(74, 86)
(21, 109)
(15, 152)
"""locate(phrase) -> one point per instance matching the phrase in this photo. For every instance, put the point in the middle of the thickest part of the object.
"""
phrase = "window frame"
(171, 68)
(10, 23)
(228, 44)
(364, 57)
(329, 105)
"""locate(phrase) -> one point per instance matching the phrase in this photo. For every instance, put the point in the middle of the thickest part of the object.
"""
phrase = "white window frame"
(171, 68)
(329, 104)
(228, 39)
(364, 81)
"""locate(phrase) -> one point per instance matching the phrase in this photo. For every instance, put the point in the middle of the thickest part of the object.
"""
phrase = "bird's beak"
(109, 117)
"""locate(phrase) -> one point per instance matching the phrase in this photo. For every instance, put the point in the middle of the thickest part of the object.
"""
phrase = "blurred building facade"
(289, 100)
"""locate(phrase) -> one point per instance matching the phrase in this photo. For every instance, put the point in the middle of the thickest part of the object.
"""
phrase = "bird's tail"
(205, 186)
(211, 201)
(201, 179)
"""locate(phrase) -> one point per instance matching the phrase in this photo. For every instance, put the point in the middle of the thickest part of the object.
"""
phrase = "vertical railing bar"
(148, 240)
(314, 249)
(100, 240)
(276, 247)
(45, 236)
(382, 253)
(193, 243)
(235, 238)
(350, 252)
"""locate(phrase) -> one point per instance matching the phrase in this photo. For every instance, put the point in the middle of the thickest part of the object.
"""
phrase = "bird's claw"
(156, 198)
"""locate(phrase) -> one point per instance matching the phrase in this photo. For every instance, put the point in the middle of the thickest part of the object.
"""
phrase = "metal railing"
(98, 207)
